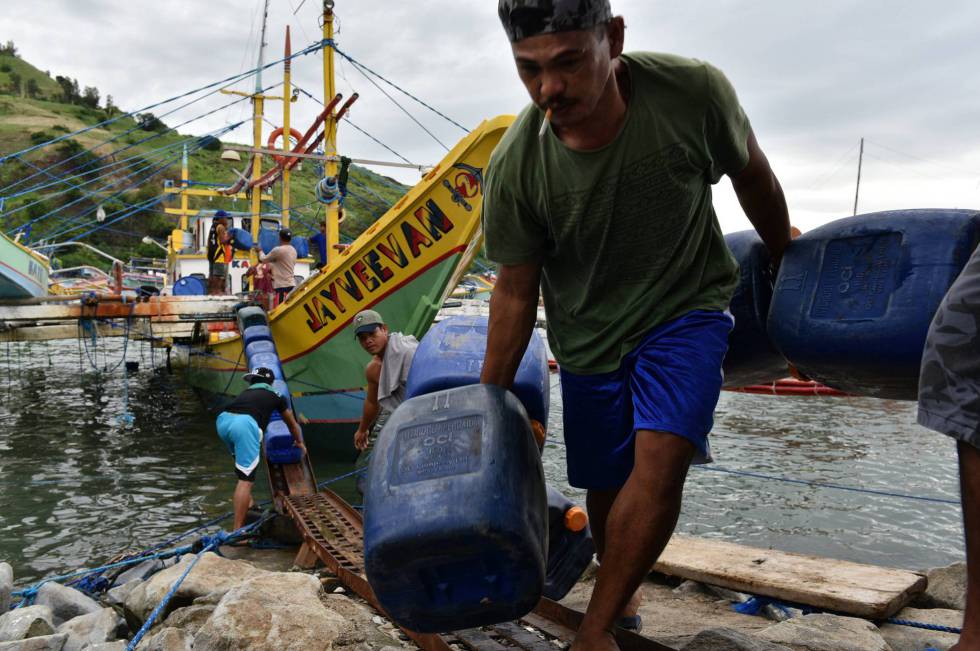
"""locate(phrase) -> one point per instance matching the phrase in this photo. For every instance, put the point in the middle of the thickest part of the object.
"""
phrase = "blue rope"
(816, 484)
(755, 475)
(343, 476)
(923, 625)
(226, 81)
(153, 136)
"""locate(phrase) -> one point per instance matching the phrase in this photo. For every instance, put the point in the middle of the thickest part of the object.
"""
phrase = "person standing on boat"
(282, 260)
(219, 254)
(320, 240)
(386, 373)
(600, 194)
(949, 403)
(240, 426)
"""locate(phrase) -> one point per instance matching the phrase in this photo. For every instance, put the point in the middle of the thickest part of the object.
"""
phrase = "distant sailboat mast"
(857, 189)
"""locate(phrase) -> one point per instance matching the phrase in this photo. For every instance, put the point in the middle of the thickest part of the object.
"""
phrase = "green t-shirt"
(626, 234)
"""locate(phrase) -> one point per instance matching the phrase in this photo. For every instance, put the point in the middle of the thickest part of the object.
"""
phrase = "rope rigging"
(223, 82)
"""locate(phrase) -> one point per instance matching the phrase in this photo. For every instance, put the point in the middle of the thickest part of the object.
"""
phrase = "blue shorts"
(669, 383)
(243, 437)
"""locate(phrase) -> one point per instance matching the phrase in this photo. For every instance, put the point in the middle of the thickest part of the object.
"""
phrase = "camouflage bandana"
(525, 18)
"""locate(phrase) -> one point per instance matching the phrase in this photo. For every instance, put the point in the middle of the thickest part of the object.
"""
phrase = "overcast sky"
(813, 77)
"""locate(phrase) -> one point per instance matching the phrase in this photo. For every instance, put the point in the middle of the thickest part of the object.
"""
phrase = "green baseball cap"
(525, 18)
(367, 321)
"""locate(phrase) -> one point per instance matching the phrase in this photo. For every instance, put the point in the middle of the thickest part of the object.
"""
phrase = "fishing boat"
(404, 265)
(23, 271)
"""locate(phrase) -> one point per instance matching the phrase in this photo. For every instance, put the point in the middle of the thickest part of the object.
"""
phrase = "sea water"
(79, 484)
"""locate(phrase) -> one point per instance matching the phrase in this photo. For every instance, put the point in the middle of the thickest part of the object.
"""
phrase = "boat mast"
(857, 188)
(257, 112)
(330, 127)
(286, 145)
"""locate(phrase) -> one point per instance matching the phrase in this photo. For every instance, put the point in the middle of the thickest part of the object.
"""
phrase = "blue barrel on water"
(751, 357)
(451, 355)
(854, 298)
(189, 286)
(240, 239)
(455, 514)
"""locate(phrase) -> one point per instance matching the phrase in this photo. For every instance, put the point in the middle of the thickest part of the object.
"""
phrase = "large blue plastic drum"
(854, 298)
(189, 286)
(751, 357)
(240, 239)
(451, 355)
(302, 246)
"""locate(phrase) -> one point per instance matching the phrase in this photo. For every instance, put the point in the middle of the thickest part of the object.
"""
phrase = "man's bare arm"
(513, 308)
(371, 408)
(294, 427)
(762, 199)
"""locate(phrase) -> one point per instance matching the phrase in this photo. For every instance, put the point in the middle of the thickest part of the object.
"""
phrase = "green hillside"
(55, 108)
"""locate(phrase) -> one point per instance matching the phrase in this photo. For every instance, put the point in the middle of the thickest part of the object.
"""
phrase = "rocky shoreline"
(251, 599)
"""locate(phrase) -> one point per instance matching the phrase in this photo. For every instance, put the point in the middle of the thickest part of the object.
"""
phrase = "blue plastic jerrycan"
(451, 355)
(751, 358)
(854, 298)
(455, 513)
(570, 545)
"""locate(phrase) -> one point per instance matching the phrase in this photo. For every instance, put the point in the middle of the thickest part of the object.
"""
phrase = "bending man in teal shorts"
(600, 193)
(240, 426)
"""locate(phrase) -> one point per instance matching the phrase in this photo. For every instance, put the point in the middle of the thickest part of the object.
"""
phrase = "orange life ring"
(281, 160)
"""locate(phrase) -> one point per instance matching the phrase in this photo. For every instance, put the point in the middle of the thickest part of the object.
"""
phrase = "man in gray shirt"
(282, 260)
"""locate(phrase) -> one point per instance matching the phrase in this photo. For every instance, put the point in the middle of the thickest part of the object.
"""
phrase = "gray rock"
(118, 645)
(827, 633)
(211, 574)
(189, 619)
(907, 638)
(116, 597)
(144, 570)
(946, 589)
(726, 639)
(6, 586)
(293, 617)
(167, 639)
(43, 643)
(66, 603)
(690, 587)
(94, 628)
(30, 621)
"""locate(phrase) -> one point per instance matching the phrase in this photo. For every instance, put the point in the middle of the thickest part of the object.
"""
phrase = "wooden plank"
(476, 640)
(523, 638)
(868, 591)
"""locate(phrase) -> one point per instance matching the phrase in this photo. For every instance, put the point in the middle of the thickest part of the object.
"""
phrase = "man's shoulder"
(373, 370)
(661, 68)
(515, 141)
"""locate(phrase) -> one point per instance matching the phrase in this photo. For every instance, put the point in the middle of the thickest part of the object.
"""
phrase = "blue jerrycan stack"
(854, 298)
(451, 355)
(570, 545)
(260, 350)
(301, 245)
(751, 358)
(455, 511)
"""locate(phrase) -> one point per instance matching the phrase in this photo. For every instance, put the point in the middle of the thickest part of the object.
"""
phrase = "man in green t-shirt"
(600, 193)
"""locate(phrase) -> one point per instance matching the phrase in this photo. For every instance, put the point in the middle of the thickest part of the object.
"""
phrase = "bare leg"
(599, 502)
(970, 487)
(240, 501)
(638, 526)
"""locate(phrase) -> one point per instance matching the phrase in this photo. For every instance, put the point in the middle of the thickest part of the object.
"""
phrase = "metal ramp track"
(333, 533)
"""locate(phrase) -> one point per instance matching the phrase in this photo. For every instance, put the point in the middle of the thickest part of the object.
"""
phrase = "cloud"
(814, 78)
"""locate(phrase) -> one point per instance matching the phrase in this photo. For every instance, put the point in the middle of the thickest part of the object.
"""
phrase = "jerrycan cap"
(576, 519)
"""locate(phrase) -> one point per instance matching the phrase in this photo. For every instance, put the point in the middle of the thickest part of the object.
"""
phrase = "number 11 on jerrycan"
(455, 511)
